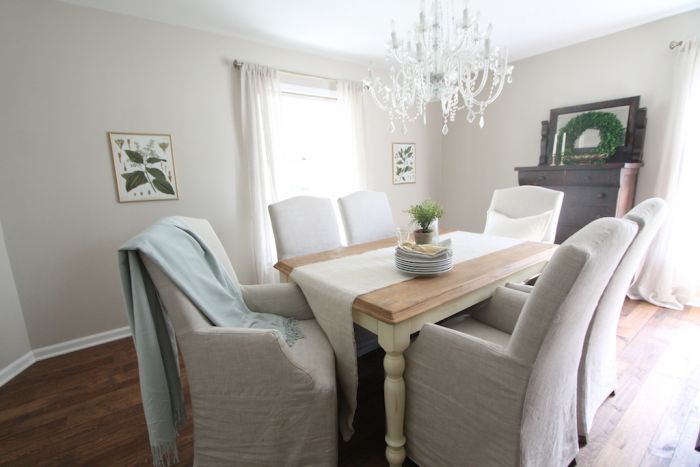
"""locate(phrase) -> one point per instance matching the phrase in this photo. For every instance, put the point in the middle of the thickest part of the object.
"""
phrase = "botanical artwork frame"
(403, 163)
(144, 166)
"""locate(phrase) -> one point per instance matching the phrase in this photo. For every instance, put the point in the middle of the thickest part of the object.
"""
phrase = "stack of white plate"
(423, 264)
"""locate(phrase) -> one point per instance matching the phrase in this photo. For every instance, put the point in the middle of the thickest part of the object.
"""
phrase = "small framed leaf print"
(144, 167)
(403, 169)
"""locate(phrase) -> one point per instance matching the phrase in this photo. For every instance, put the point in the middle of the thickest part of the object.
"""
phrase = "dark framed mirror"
(626, 110)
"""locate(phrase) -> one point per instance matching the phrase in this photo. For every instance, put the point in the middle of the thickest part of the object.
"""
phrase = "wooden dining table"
(395, 312)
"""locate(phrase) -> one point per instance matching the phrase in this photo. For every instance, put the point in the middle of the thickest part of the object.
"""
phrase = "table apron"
(448, 309)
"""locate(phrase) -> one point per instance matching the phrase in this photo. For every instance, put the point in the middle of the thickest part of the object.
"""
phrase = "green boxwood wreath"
(611, 133)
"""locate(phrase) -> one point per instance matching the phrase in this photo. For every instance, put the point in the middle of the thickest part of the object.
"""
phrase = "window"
(315, 156)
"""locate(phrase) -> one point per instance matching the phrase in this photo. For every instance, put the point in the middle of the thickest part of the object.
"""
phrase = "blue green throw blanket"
(189, 263)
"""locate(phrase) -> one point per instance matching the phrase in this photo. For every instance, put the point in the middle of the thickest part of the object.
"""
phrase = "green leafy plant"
(142, 160)
(608, 125)
(424, 214)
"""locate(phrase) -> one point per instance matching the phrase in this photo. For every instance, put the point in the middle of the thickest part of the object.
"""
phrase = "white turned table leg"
(394, 339)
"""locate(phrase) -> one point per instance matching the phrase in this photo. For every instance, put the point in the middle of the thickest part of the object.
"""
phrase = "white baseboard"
(16, 367)
(22, 363)
(81, 343)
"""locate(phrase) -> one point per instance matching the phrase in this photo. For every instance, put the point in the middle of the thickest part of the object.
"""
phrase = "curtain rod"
(675, 44)
(238, 64)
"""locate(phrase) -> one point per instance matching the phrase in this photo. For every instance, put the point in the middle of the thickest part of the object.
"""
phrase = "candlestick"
(554, 150)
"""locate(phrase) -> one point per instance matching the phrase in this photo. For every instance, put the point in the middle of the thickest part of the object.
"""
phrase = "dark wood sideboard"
(590, 191)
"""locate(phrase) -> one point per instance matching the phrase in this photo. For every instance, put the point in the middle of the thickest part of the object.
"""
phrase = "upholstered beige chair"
(597, 378)
(502, 391)
(255, 400)
(598, 368)
(526, 212)
(303, 225)
(366, 216)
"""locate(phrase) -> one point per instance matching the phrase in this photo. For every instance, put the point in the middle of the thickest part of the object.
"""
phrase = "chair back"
(303, 225)
(183, 314)
(551, 329)
(598, 369)
(528, 200)
(366, 216)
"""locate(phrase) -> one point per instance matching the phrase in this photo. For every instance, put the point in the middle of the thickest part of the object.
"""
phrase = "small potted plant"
(423, 215)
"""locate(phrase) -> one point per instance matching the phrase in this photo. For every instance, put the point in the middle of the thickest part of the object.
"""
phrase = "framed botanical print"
(144, 167)
(403, 156)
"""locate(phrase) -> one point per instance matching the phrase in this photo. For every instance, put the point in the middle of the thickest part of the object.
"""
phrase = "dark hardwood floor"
(84, 408)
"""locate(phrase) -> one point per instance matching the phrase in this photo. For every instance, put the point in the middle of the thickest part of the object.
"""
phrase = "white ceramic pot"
(423, 238)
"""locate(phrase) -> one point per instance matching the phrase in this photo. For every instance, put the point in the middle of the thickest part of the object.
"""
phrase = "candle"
(394, 40)
(465, 17)
(554, 148)
(563, 143)
(563, 148)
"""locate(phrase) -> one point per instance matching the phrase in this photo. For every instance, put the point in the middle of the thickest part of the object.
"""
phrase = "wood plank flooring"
(84, 408)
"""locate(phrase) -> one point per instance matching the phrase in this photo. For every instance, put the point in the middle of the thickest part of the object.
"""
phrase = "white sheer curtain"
(260, 94)
(670, 276)
(352, 116)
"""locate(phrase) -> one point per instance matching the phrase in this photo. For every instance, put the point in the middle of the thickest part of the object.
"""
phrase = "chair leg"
(573, 462)
(612, 394)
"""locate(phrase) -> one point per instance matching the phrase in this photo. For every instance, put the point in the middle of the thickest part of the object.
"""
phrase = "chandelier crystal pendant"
(445, 59)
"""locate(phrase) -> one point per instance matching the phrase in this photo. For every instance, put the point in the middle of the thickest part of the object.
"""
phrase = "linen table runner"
(331, 287)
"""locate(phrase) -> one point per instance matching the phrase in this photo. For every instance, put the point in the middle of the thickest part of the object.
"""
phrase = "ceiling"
(359, 29)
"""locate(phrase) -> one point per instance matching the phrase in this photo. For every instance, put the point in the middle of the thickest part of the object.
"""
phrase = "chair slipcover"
(527, 200)
(498, 399)
(366, 216)
(303, 225)
(255, 400)
(598, 368)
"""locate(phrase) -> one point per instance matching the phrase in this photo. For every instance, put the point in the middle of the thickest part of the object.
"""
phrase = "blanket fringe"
(165, 454)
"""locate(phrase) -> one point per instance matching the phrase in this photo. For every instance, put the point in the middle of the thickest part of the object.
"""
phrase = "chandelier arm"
(493, 97)
(484, 79)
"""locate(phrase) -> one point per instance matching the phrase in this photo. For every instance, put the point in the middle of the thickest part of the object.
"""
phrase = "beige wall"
(71, 74)
(14, 341)
(633, 62)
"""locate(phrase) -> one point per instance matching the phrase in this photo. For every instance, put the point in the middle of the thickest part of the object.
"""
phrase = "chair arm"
(521, 287)
(280, 299)
(460, 383)
(451, 354)
(222, 359)
(503, 310)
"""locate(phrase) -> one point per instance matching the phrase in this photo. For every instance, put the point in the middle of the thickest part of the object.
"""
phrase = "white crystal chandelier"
(445, 59)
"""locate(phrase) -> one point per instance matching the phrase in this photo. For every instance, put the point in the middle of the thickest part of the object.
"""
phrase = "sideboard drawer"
(592, 177)
(590, 196)
(542, 178)
(578, 214)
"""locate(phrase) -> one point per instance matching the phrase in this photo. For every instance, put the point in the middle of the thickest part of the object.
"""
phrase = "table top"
(404, 300)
